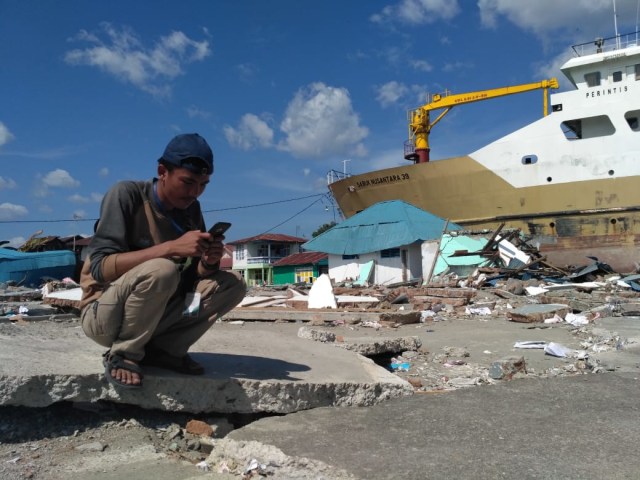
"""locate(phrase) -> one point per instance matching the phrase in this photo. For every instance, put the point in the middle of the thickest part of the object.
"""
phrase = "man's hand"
(215, 249)
(191, 244)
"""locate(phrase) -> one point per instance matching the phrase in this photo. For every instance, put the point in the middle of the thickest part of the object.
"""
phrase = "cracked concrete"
(42, 363)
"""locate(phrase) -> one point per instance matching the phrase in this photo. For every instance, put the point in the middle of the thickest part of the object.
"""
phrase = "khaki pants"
(142, 308)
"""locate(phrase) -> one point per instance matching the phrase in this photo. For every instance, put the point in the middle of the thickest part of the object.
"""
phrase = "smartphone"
(219, 228)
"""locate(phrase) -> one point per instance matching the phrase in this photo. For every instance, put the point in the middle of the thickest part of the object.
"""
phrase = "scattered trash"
(477, 311)
(453, 363)
(255, 467)
(576, 320)
(555, 319)
(557, 350)
(532, 344)
(399, 365)
(425, 314)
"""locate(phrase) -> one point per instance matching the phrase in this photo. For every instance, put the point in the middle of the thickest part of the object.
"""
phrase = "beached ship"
(570, 180)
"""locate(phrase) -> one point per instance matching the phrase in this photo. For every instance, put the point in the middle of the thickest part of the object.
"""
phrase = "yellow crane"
(420, 125)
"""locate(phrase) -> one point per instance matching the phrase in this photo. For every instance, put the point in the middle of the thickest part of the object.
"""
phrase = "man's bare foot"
(125, 376)
(121, 372)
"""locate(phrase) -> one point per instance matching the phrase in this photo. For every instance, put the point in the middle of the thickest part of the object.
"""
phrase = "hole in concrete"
(384, 359)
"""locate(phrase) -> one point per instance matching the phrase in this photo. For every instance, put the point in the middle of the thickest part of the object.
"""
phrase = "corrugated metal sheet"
(28, 268)
(381, 226)
(269, 237)
(303, 258)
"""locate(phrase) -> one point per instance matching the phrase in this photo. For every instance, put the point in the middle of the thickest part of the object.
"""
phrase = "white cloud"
(77, 198)
(451, 66)
(11, 211)
(390, 93)
(195, 112)
(252, 132)
(306, 171)
(417, 12)
(246, 71)
(104, 171)
(421, 65)
(320, 121)
(7, 183)
(589, 18)
(5, 135)
(123, 56)
(59, 178)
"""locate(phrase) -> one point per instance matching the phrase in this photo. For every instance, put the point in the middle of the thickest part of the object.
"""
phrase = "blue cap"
(190, 151)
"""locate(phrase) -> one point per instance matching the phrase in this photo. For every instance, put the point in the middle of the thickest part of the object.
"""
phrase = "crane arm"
(420, 124)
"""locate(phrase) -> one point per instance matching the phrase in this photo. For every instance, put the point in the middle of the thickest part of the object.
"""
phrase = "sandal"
(117, 362)
(160, 359)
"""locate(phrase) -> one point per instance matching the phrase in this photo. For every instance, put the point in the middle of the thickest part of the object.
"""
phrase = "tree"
(322, 229)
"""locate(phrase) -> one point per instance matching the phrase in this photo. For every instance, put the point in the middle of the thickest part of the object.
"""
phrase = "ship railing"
(609, 44)
(335, 175)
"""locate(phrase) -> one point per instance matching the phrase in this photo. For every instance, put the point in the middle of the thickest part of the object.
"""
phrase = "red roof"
(303, 258)
(270, 237)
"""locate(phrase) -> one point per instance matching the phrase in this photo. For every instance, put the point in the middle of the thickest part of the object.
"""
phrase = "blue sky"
(283, 91)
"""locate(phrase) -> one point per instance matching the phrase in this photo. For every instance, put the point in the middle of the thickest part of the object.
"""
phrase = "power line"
(293, 216)
(65, 220)
(264, 204)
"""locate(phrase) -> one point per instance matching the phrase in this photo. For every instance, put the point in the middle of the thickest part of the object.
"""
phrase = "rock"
(91, 447)
(506, 368)
(537, 313)
(197, 427)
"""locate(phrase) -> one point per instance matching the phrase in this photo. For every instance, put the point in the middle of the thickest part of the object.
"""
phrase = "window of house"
(350, 257)
(592, 79)
(263, 250)
(239, 255)
(390, 253)
(281, 250)
(304, 274)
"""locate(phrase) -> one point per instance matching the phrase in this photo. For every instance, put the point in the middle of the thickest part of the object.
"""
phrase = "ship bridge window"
(632, 120)
(588, 127)
(637, 67)
(616, 76)
(529, 159)
(592, 79)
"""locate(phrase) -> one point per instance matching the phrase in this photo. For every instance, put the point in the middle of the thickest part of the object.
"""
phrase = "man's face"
(181, 187)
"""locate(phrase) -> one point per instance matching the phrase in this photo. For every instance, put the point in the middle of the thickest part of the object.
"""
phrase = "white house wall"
(340, 270)
(387, 270)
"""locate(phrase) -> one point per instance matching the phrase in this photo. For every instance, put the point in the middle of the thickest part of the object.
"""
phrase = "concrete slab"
(537, 312)
(626, 356)
(520, 429)
(44, 362)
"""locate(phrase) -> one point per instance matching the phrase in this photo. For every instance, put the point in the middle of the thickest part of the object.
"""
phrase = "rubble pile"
(534, 294)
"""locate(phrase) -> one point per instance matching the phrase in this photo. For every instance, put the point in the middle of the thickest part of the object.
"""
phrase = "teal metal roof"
(381, 226)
